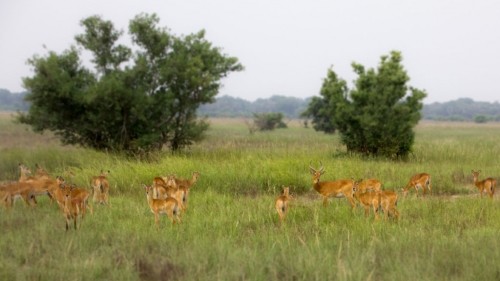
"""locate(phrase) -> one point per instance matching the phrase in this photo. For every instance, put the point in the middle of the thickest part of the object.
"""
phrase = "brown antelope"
(422, 180)
(41, 173)
(484, 186)
(24, 173)
(281, 203)
(337, 189)
(80, 194)
(367, 199)
(185, 186)
(188, 182)
(369, 185)
(168, 206)
(72, 205)
(100, 186)
(164, 187)
(388, 203)
(41, 182)
(13, 190)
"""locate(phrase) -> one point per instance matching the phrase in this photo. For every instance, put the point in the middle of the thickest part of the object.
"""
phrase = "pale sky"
(451, 48)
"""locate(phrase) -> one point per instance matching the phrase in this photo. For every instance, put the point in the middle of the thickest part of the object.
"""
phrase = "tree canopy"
(377, 116)
(136, 98)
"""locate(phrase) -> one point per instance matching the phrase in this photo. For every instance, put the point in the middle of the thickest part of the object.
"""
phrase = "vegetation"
(12, 101)
(377, 116)
(231, 230)
(269, 121)
(136, 98)
(463, 109)
(227, 106)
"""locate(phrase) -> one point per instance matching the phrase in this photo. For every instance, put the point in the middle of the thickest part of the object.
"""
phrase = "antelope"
(485, 186)
(388, 203)
(188, 182)
(281, 203)
(40, 183)
(422, 180)
(80, 194)
(168, 206)
(185, 186)
(369, 185)
(13, 190)
(338, 189)
(41, 173)
(24, 173)
(72, 205)
(367, 199)
(100, 185)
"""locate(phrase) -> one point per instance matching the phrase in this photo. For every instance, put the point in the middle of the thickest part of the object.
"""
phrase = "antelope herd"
(169, 195)
(369, 194)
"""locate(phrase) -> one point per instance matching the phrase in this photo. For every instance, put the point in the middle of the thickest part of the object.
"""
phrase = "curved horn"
(311, 169)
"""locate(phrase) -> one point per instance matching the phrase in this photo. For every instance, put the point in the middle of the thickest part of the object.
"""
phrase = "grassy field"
(231, 230)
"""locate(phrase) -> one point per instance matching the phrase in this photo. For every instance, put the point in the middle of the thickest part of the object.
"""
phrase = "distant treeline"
(12, 101)
(463, 109)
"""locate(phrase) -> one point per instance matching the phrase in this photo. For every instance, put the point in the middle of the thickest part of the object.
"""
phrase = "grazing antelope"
(337, 189)
(367, 199)
(388, 203)
(422, 180)
(100, 185)
(168, 206)
(485, 186)
(281, 203)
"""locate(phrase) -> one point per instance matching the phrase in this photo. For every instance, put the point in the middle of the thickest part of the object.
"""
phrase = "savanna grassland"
(231, 231)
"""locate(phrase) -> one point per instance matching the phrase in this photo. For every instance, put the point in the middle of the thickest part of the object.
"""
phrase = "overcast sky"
(450, 48)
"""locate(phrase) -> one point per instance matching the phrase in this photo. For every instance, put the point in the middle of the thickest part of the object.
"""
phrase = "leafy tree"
(377, 116)
(269, 121)
(131, 101)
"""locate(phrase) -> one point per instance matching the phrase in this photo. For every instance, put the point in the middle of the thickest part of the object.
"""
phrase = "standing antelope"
(72, 205)
(188, 182)
(168, 206)
(281, 204)
(388, 202)
(41, 183)
(185, 186)
(78, 194)
(100, 185)
(367, 199)
(337, 189)
(485, 186)
(422, 180)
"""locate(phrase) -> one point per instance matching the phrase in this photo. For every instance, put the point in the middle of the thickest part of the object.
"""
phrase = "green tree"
(269, 121)
(131, 101)
(377, 116)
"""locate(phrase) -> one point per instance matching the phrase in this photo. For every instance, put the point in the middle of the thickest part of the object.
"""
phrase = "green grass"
(231, 230)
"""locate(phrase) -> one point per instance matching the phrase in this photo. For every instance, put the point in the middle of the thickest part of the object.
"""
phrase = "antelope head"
(316, 174)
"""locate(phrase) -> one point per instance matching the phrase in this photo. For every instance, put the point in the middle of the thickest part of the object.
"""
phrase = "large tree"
(133, 99)
(377, 116)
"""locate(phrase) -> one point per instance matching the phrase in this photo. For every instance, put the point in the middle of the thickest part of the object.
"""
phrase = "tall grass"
(231, 230)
